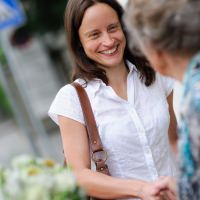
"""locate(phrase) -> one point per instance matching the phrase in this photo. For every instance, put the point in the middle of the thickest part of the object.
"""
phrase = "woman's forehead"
(99, 14)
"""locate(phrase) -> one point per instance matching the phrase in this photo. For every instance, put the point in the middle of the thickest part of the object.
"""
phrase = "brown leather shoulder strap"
(93, 134)
(92, 131)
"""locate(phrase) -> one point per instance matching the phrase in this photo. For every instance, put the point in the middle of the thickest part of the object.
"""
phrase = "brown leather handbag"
(98, 153)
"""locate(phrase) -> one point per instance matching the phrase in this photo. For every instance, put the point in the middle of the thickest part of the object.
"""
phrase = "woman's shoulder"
(164, 79)
(66, 103)
(68, 88)
(66, 91)
(90, 87)
(165, 83)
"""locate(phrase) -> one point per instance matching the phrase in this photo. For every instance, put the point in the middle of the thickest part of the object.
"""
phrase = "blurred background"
(33, 66)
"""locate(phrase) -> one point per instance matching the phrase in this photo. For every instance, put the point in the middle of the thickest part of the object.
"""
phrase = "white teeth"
(110, 51)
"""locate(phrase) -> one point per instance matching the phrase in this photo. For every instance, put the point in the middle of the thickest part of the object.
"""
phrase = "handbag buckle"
(99, 156)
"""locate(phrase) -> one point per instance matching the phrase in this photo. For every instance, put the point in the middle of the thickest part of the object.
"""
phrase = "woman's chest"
(119, 120)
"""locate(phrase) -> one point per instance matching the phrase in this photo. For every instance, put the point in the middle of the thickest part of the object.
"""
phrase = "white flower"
(13, 185)
(37, 192)
(38, 179)
(22, 161)
(65, 181)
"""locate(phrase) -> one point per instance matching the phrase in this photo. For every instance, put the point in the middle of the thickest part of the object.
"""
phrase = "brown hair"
(86, 68)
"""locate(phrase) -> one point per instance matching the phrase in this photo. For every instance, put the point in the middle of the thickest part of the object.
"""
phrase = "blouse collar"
(94, 86)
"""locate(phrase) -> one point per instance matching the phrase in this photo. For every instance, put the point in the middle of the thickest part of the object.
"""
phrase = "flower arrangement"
(38, 179)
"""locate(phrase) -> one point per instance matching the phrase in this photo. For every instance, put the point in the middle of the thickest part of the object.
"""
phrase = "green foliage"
(44, 16)
(2, 179)
(5, 108)
(3, 60)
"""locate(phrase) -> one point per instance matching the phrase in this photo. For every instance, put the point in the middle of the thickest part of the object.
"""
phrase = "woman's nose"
(108, 40)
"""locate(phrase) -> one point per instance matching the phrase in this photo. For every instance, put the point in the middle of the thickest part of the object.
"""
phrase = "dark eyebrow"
(116, 23)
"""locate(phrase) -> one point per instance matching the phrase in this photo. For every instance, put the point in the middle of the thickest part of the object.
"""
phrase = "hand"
(167, 195)
(167, 187)
(152, 191)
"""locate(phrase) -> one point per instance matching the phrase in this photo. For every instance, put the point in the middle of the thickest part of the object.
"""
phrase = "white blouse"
(134, 132)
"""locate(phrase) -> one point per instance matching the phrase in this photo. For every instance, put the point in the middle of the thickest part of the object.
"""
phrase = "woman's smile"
(112, 51)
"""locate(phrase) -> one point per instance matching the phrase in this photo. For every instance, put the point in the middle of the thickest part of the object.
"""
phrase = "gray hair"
(170, 25)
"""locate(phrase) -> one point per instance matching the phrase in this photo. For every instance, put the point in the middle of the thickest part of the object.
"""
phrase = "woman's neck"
(117, 75)
(178, 66)
(117, 79)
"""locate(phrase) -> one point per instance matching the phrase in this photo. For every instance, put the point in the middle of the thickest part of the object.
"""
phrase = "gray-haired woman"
(168, 33)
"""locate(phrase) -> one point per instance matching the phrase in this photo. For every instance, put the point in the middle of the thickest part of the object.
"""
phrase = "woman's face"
(101, 36)
(156, 57)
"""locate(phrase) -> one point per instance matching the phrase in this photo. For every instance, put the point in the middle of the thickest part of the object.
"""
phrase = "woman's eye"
(94, 35)
(113, 28)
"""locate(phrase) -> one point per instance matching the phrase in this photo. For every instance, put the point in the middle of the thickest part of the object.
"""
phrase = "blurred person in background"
(168, 33)
(132, 106)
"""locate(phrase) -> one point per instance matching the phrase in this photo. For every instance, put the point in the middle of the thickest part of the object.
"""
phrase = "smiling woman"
(103, 40)
(117, 83)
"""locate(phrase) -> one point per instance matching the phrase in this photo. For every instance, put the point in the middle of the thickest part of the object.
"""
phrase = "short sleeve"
(167, 84)
(66, 103)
